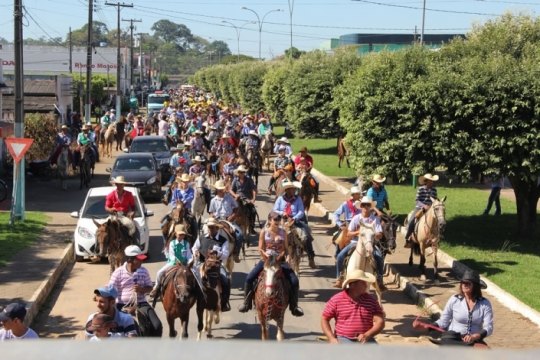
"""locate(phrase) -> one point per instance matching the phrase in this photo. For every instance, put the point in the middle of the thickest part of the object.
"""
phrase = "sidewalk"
(511, 329)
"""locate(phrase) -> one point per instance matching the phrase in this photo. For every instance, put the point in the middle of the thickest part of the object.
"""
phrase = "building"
(377, 42)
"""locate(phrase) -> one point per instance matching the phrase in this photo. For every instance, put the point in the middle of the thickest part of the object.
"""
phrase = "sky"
(314, 21)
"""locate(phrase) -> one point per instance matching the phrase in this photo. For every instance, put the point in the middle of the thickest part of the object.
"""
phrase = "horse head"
(181, 286)
(366, 238)
(103, 236)
(439, 212)
(200, 183)
(177, 213)
(272, 266)
(210, 270)
(389, 226)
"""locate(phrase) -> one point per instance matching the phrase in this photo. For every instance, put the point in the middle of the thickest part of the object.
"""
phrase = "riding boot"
(317, 198)
(381, 285)
(410, 229)
(293, 303)
(226, 293)
(248, 298)
(271, 185)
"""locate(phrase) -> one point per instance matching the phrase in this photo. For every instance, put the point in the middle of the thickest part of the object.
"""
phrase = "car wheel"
(79, 258)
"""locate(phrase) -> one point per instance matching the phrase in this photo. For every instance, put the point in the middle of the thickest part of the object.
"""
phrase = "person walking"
(497, 183)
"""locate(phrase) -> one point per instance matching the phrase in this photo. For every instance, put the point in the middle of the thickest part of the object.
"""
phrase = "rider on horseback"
(213, 241)
(86, 138)
(378, 193)
(279, 163)
(368, 218)
(244, 189)
(63, 140)
(283, 142)
(272, 239)
(425, 192)
(348, 210)
(304, 159)
(290, 206)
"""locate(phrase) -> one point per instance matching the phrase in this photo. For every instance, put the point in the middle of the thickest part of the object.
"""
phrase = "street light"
(261, 22)
(237, 34)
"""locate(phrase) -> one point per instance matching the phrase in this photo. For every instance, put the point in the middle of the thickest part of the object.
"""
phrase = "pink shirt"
(124, 281)
(352, 317)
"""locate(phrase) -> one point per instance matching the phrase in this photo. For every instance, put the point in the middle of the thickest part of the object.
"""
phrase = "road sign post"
(17, 148)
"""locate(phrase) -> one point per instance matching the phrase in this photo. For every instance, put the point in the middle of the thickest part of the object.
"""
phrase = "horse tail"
(416, 249)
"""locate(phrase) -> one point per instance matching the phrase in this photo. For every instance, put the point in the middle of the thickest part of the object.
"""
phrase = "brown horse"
(296, 246)
(267, 145)
(428, 232)
(211, 287)
(343, 151)
(180, 293)
(175, 217)
(272, 297)
(107, 140)
(112, 237)
(307, 192)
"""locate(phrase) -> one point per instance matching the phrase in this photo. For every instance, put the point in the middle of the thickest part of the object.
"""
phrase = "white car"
(84, 239)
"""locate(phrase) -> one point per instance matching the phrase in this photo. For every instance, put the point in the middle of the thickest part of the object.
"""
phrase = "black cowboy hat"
(472, 276)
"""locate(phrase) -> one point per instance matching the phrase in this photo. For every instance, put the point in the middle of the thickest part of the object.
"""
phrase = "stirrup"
(297, 311)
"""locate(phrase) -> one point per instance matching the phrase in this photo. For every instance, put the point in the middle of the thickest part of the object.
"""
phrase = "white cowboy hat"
(281, 148)
(178, 147)
(213, 222)
(365, 200)
(86, 127)
(184, 178)
(179, 229)
(219, 185)
(242, 168)
(283, 140)
(358, 275)
(355, 190)
(198, 132)
(225, 136)
(288, 184)
(198, 159)
(187, 143)
(378, 178)
(119, 180)
(253, 132)
(64, 127)
(428, 176)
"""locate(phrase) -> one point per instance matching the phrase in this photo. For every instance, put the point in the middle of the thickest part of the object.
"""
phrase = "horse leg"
(280, 333)
(435, 265)
(411, 256)
(184, 321)
(172, 331)
(264, 327)
(339, 161)
(348, 163)
(200, 315)
(422, 266)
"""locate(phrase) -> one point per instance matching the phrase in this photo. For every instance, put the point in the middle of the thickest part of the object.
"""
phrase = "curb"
(43, 291)
(420, 298)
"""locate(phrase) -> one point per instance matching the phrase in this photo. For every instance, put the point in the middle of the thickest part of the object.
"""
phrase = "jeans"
(259, 267)
(309, 237)
(494, 197)
(226, 286)
(412, 222)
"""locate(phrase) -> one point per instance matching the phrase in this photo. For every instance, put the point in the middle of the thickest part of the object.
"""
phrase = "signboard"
(18, 147)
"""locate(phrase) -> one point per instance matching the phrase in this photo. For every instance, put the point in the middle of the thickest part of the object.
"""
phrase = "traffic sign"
(18, 147)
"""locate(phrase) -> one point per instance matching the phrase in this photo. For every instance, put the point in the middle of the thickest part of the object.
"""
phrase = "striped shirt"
(424, 195)
(352, 317)
(124, 281)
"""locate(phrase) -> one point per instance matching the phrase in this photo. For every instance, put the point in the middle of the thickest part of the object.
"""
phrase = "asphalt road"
(71, 301)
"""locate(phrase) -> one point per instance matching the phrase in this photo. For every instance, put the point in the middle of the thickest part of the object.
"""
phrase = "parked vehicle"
(155, 101)
(140, 170)
(159, 147)
(84, 239)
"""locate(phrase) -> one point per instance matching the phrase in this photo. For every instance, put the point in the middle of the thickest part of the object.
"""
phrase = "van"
(156, 100)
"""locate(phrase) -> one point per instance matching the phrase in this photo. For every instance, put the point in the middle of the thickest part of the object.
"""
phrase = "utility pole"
(87, 117)
(17, 208)
(141, 60)
(423, 23)
(131, 21)
(70, 52)
(118, 59)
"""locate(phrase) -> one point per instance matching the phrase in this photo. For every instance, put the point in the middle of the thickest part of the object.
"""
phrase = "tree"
(170, 32)
(294, 53)
(219, 47)
(79, 37)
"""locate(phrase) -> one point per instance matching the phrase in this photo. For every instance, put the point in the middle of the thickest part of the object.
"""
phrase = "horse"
(343, 152)
(213, 168)
(199, 202)
(180, 292)
(254, 165)
(296, 246)
(62, 166)
(362, 255)
(107, 140)
(272, 297)
(112, 237)
(244, 218)
(307, 192)
(86, 164)
(267, 145)
(97, 134)
(428, 232)
(389, 226)
(175, 217)
(211, 287)
(229, 231)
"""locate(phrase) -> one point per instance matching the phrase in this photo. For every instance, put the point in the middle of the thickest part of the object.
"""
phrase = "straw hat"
(64, 127)
(358, 275)
(178, 147)
(179, 229)
(378, 178)
(283, 140)
(253, 132)
(242, 168)
(365, 200)
(355, 190)
(198, 159)
(225, 136)
(86, 127)
(213, 222)
(187, 143)
(119, 180)
(219, 185)
(184, 178)
(428, 176)
(288, 184)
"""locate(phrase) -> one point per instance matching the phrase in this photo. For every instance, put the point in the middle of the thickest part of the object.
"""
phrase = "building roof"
(39, 96)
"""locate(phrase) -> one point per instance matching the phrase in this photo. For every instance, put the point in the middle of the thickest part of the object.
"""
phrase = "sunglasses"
(466, 283)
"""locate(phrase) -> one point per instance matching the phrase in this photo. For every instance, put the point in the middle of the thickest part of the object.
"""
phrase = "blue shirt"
(296, 207)
(380, 196)
(345, 210)
(185, 196)
(456, 316)
(222, 207)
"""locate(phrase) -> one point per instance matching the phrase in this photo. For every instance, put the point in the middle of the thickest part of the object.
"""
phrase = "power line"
(427, 9)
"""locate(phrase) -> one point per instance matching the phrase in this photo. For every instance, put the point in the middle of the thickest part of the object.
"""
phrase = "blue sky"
(314, 21)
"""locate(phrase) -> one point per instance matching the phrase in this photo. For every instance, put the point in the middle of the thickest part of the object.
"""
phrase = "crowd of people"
(210, 139)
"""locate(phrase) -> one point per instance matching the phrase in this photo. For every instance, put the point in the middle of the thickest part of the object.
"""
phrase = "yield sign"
(18, 147)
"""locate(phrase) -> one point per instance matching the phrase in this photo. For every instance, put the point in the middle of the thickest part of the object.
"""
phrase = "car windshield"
(157, 99)
(137, 164)
(95, 208)
(152, 146)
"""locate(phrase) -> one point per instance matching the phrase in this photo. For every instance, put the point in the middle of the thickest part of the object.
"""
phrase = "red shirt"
(308, 159)
(125, 203)
(352, 317)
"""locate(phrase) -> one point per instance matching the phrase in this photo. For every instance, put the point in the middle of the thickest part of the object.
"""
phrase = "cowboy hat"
(365, 200)
(281, 148)
(198, 159)
(242, 168)
(86, 127)
(378, 178)
(64, 127)
(178, 147)
(187, 143)
(355, 190)
(358, 275)
(179, 229)
(303, 149)
(184, 178)
(219, 185)
(283, 140)
(213, 222)
(288, 184)
(225, 136)
(253, 132)
(198, 132)
(428, 176)
(472, 276)
(119, 180)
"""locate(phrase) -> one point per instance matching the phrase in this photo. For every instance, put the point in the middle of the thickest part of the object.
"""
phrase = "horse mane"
(128, 223)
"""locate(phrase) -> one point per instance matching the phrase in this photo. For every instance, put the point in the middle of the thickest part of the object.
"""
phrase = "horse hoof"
(173, 334)
(422, 277)
(209, 336)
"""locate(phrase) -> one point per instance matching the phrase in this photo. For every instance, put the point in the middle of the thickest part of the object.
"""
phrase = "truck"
(156, 100)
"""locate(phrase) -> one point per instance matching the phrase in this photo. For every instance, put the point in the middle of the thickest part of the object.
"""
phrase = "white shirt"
(8, 335)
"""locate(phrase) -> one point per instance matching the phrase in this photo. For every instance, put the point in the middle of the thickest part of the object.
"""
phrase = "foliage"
(79, 37)
(294, 53)
(273, 92)
(15, 238)
(43, 129)
(248, 80)
(172, 33)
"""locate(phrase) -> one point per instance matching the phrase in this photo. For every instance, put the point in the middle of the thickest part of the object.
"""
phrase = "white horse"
(199, 202)
(108, 139)
(266, 149)
(62, 164)
(362, 257)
